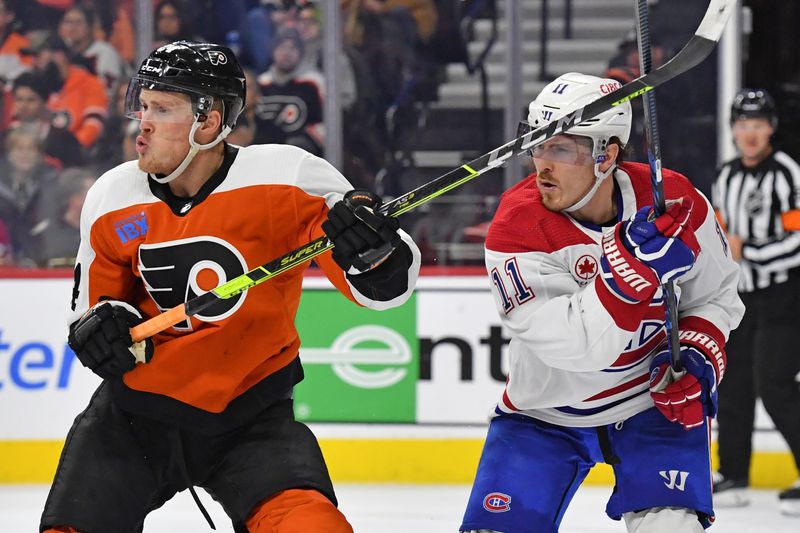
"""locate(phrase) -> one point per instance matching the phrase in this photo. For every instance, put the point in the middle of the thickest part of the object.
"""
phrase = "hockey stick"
(698, 48)
(656, 179)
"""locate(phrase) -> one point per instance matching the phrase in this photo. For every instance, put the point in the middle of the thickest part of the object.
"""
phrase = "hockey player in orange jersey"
(211, 406)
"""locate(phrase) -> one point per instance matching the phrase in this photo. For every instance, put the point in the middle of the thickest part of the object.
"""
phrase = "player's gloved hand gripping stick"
(698, 48)
(361, 238)
(646, 251)
(101, 339)
(692, 397)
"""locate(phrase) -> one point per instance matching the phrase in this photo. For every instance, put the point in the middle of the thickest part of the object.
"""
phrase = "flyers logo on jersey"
(174, 272)
(287, 112)
(497, 502)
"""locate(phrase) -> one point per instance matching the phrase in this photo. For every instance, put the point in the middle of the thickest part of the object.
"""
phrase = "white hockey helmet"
(567, 93)
(573, 90)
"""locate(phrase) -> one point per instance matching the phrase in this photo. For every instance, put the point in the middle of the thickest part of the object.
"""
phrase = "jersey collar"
(181, 206)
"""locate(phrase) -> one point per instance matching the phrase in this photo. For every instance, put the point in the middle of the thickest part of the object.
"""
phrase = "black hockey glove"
(362, 238)
(102, 339)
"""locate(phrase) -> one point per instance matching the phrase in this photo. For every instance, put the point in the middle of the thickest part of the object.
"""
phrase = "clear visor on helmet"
(564, 148)
(164, 102)
(751, 123)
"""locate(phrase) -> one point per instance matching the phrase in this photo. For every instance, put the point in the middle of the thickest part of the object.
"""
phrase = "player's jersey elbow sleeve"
(710, 290)
(99, 273)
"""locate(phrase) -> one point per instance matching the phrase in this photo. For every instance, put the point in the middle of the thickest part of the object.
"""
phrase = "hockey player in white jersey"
(576, 257)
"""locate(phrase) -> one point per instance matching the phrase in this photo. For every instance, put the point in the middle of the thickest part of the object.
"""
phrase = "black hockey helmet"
(754, 103)
(204, 71)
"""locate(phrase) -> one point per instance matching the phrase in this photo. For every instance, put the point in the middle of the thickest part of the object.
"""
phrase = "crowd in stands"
(65, 67)
(64, 71)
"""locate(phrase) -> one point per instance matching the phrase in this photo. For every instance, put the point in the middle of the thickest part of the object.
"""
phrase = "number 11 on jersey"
(522, 292)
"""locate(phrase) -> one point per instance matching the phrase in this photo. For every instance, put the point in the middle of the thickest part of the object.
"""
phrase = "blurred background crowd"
(420, 84)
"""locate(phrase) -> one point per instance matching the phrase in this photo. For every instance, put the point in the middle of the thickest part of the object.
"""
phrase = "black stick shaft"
(656, 178)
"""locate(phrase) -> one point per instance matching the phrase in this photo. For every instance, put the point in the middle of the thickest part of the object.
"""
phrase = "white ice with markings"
(382, 508)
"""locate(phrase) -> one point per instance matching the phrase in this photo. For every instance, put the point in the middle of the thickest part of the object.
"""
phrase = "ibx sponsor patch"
(131, 228)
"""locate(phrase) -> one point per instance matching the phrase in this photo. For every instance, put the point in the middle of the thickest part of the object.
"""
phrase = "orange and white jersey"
(141, 245)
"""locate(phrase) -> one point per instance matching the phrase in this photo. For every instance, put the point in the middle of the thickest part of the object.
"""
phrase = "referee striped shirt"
(762, 206)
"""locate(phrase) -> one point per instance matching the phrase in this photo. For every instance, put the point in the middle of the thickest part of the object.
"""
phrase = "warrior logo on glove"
(645, 251)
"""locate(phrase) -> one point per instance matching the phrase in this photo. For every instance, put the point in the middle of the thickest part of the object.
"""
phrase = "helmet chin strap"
(599, 176)
(194, 148)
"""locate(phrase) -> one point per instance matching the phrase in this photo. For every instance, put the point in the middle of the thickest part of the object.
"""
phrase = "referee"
(757, 200)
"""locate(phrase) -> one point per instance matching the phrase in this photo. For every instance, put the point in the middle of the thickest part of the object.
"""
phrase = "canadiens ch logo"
(174, 272)
(585, 267)
(497, 502)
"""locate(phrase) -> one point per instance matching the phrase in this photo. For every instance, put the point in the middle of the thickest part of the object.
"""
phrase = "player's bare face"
(752, 137)
(163, 141)
(564, 170)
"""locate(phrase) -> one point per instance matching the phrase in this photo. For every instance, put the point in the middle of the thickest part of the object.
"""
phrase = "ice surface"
(381, 508)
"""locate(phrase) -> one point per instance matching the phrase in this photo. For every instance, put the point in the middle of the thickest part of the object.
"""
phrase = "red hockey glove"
(689, 397)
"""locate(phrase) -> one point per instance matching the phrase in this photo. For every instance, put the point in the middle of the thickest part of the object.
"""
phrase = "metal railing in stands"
(567, 19)
(472, 12)
(476, 10)
(544, 17)
(481, 9)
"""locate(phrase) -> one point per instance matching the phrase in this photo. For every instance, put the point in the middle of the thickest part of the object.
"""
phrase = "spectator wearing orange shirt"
(79, 99)
(11, 42)
(77, 30)
(31, 93)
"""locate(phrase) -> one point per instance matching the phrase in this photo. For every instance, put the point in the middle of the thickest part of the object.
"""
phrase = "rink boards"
(402, 395)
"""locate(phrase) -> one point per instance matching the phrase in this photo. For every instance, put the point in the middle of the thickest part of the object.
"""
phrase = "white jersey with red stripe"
(579, 356)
